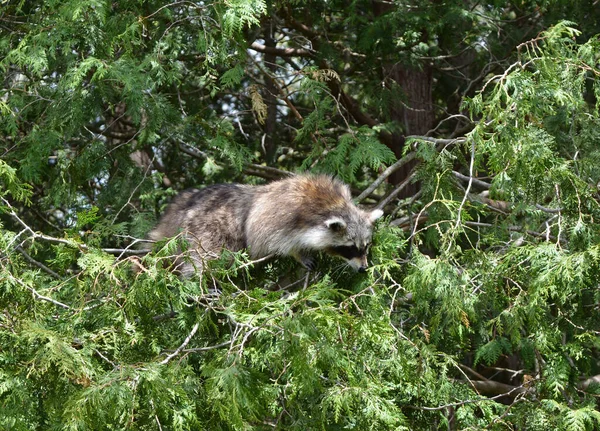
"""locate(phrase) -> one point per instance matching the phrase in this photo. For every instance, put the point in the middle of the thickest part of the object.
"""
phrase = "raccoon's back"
(213, 217)
(289, 215)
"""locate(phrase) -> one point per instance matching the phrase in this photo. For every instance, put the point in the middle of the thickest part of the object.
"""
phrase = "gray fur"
(291, 217)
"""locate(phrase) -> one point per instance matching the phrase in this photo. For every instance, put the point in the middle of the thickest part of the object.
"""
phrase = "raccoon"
(295, 217)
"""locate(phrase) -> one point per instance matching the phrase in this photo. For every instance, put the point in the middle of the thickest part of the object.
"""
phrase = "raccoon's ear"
(375, 214)
(336, 224)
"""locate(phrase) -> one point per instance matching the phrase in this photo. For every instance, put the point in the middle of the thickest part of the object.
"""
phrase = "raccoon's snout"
(360, 263)
(356, 258)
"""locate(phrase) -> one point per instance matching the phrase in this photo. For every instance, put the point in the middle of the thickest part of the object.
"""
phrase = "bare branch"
(589, 381)
(115, 366)
(253, 262)
(266, 172)
(485, 387)
(39, 296)
(191, 150)
(474, 180)
(469, 185)
(281, 52)
(204, 349)
(36, 263)
(384, 175)
(185, 343)
(437, 141)
(397, 190)
(515, 229)
(128, 250)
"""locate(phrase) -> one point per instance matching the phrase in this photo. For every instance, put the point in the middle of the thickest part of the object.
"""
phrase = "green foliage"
(11, 183)
(491, 351)
(353, 151)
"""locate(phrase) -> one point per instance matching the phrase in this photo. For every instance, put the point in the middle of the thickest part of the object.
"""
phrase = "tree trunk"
(414, 113)
(270, 98)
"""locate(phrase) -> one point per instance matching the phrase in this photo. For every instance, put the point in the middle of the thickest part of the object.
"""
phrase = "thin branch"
(41, 297)
(273, 81)
(397, 190)
(155, 415)
(165, 316)
(514, 389)
(548, 210)
(252, 262)
(384, 175)
(267, 172)
(475, 181)
(204, 349)
(128, 250)
(185, 343)
(587, 382)
(191, 150)
(437, 141)
(189, 3)
(115, 366)
(469, 185)
(135, 189)
(36, 263)
(69, 242)
(514, 229)
(281, 52)
(404, 160)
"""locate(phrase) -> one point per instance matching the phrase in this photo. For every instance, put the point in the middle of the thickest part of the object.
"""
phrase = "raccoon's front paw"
(308, 262)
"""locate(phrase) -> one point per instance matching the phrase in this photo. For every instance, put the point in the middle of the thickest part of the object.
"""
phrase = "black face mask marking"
(349, 251)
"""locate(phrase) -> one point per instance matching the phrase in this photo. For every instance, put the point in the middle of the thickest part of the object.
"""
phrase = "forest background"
(473, 124)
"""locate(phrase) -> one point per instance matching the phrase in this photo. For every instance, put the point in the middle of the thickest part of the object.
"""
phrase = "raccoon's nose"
(362, 268)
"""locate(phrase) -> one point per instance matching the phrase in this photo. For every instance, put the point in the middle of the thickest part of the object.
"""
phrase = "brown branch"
(491, 387)
(36, 263)
(334, 86)
(352, 107)
(589, 381)
(266, 172)
(281, 52)
(279, 88)
(398, 189)
(488, 385)
(301, 27)
(384, 175)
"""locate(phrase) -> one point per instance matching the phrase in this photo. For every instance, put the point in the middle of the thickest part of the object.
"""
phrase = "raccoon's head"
(351, 237)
